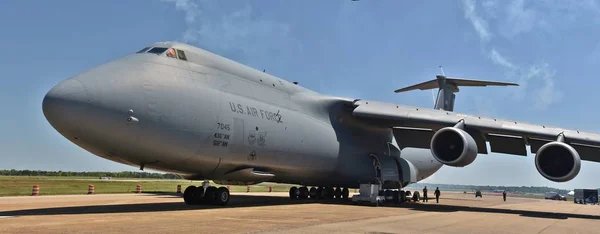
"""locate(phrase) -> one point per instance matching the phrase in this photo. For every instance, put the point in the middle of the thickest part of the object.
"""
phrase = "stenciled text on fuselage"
(253, 111)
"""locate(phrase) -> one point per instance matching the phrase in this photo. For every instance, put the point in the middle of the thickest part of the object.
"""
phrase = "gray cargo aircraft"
(176, 108)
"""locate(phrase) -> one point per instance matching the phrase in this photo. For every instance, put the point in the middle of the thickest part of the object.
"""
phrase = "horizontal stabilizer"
(433, 84)
(447, 86)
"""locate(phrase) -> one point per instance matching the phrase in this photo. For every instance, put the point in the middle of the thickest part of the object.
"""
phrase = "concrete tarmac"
(275, 213)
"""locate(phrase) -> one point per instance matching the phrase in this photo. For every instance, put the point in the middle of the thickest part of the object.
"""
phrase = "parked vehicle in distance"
(584, 196)
(554, 196)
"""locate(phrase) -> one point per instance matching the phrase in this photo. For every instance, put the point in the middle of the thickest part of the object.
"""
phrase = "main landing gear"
(319, 193)
(205, 194)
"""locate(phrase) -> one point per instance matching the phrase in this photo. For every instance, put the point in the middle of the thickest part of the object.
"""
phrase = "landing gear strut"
(209, 195)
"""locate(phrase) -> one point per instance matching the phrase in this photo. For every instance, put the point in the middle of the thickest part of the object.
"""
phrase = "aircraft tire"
(396, 196)
(329, 192)
(402, 196)
(294, 193)
(388, 195)
(345, 193)
(337, 193)
(222, 196)
(189, 195)
(313, 193)
(210, 195)
(303, 192)
(320, 193)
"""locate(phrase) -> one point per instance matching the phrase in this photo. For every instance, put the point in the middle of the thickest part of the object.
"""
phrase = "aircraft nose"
(64, 106)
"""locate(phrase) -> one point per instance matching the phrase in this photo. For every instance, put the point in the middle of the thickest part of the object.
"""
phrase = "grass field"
(22, 185)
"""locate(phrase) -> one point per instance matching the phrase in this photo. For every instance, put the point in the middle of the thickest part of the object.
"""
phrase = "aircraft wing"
(414, 127)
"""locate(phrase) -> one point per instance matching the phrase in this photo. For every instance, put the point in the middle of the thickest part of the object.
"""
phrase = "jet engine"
(453, 146)
(557, 161)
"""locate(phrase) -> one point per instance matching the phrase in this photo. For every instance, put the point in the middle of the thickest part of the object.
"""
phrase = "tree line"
(122, 174)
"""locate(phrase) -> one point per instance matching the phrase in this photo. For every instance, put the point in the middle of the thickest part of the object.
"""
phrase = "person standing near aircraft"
(171, 53)
(437, 194)
(425, 194)
(504, 195)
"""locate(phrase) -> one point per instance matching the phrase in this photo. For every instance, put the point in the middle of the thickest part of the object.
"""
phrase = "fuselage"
(207, 117)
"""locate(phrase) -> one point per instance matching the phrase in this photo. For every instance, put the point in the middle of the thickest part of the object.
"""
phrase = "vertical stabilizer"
(445, 97)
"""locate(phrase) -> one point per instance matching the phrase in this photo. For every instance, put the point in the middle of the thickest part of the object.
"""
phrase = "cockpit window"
(143, 50)
(181, 55)
(157, 50)
(170, 52)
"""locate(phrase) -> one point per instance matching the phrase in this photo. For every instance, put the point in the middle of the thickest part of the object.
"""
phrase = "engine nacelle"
(557, 161)
(453, 147)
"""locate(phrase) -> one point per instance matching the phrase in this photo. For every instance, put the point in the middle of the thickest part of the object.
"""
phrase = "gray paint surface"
(212, 118)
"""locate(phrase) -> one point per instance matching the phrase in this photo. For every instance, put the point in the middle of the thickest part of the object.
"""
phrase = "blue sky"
(363, 49)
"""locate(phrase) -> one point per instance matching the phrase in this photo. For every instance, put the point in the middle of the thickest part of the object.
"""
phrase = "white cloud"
(548, 16)
(547, 93)
(498, 59)
(570, 10)
(190, 8)
(235, 33)
(491, 8)
(519, 19)
(478, 23)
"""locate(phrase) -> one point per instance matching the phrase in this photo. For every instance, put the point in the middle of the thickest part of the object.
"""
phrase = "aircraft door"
(408, 172)
(387, 171)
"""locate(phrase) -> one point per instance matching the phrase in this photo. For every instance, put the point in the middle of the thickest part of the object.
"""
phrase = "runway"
(275, 213)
